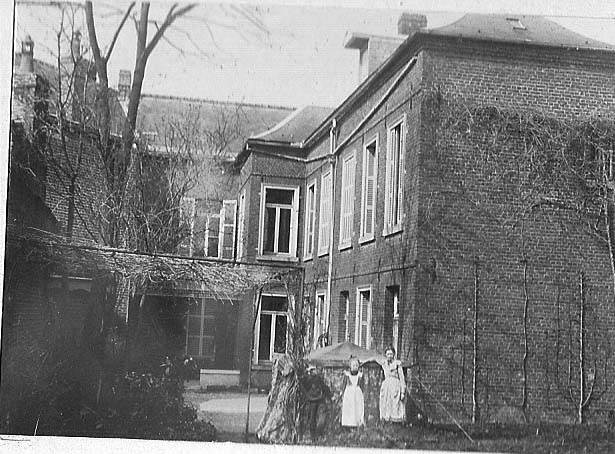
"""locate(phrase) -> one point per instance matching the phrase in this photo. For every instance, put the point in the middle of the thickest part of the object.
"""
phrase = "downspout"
(332, 163)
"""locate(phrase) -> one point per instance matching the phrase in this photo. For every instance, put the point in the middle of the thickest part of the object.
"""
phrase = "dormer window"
(516, 23)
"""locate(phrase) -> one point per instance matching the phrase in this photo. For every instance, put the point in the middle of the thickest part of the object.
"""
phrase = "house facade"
(413, 231)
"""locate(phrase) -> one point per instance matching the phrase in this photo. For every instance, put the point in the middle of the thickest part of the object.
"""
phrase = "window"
(310, 219)
(271, 328)
(393, 202)
(279, 212)
(391, 316)
(187, 211)
(347, 207)
(212, 236)
(227, 229)
(201, 330)
(346, 325)
(320, 320)
(240, 223)
(362, 333)
(324, 234)
(368, 190)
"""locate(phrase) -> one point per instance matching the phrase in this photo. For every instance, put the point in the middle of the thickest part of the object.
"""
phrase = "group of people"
(392, 391)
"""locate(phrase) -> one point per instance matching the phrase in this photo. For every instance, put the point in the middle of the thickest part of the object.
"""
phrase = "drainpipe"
(332, 163)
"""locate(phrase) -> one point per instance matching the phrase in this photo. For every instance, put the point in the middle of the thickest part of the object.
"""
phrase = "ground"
(227, 412)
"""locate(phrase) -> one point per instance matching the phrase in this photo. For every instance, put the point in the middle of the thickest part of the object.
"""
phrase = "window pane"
(274, 303)
(284, 231)
(279, 196)
(279, 343)
(194, 325)
(269, 232)
(264, 338)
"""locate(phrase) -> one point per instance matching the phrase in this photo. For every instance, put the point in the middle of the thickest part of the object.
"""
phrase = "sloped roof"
(242, 119)
(538, 31)
(296, 127)
(517, 29)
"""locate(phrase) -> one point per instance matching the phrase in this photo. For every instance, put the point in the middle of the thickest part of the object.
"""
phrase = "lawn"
(538, 439)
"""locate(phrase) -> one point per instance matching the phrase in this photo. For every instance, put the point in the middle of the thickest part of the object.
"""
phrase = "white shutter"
(228, 216)
(242, 215)
(369, 190)
(325, 214)
(347, 209)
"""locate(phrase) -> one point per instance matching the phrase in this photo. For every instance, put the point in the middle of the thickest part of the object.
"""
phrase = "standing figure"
(352, 401)
(315, 391)
(393, 389)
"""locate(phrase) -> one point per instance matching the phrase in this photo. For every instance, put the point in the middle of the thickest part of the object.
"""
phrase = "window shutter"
(240, 224)
(370, 190)
(347, 201)
(228, 215)
(325, 213)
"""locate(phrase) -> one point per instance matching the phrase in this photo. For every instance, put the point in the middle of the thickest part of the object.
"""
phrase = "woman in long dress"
(393, 389)
(352, 401)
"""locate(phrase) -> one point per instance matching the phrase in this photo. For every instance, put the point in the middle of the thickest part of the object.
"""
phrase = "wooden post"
(255, 309)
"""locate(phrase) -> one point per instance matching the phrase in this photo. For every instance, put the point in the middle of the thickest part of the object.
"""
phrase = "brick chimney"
(75, 45)
(409, 23)
(123, 84)
(26, 65)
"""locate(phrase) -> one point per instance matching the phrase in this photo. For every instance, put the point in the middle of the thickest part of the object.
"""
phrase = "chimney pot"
(75, 45)
(409, 24)
(27, 55)
(123, 84)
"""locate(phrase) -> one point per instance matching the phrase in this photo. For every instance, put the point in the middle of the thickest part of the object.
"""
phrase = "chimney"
(123, 84)
(27, 55)
(408, 24)
(75, 46)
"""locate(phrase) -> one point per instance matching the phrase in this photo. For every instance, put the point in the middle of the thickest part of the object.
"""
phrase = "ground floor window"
(391, 316)
(201, 331)
(363, 317)
(320, 321)
(346, 325)
(271, 327)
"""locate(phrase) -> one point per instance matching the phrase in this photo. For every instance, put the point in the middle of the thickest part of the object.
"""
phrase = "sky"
(281, 55)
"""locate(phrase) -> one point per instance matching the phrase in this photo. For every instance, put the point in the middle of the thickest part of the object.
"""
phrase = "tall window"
(324, 233)
(346, 320)
(272, 326)
(201, 330)
(393, 202)
(320, 322)
(363, 318)
(310, 220)
(212, 236)
(368, 190)
(240, 223)
(227, 229)
(391, 316)
(347, 207)
(279, 212)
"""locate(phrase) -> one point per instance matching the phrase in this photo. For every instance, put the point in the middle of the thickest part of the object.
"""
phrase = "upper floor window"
(393, 198)
(347, 207)
(324, 232)
(279, 213)
(212, 236)
(368, 189)
(310, 220)
(187, 212)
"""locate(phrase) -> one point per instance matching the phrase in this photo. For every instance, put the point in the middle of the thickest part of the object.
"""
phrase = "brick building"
(410, 233)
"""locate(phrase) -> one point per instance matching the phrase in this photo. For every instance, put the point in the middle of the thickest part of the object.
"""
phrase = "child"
(352, 402)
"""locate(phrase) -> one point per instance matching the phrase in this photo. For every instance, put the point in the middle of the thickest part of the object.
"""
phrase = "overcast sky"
(297, 59)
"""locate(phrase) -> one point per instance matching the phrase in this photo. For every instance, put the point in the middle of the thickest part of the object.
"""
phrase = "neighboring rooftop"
(296, 127)
(517, 29)
(238, 120)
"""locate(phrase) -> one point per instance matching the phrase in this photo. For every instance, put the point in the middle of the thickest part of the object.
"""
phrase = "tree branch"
(117, 31)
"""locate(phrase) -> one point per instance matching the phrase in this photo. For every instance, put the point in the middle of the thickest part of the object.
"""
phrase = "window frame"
(188, 204)
(358, 316)
(310, 221)
(319, 294)
(390, 227)
(347, 203)
(363, 237)
(207, 235)
(323, 246)
(294, 218)
(256, 359)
